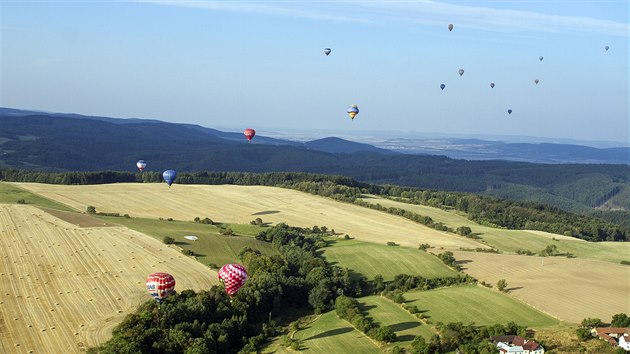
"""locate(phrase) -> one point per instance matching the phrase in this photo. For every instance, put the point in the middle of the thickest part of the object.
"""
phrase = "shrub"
(21, 201)
(625, 262)
(226, 231)
(424, 247)
(346, 237)
(391, 243)
(502, 285)
(91, 210)
(168, 240)
(188, 252)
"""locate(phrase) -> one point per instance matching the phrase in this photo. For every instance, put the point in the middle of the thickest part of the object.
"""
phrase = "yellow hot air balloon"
(353, 110)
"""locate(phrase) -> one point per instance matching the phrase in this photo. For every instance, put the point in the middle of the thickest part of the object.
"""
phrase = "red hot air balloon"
(249, 134)
(233, 277)
(160, 285)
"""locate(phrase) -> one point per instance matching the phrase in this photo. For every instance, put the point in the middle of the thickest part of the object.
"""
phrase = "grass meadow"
(370, 259)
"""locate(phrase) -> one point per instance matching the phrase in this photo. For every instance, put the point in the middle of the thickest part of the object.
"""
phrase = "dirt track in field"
(241, 204)
(570, 289)
(63, 288)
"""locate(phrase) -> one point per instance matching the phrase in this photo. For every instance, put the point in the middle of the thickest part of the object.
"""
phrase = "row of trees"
(486, 210)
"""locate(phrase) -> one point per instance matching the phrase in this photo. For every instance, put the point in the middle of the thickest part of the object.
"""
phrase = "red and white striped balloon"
(233, 277)
(160, 285)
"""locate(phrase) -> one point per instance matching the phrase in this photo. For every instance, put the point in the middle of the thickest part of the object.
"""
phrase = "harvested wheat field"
(241, 204)
(570, 289)
(63, 288)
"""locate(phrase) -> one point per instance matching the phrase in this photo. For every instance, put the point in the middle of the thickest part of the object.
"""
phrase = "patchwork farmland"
(65, 287)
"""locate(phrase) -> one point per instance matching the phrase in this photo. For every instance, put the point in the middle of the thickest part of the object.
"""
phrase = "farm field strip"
(570, 289)
(371, 259)
(513, 240)
(474, 303)
(66, 287)
(241, 204)
(387, 313)
(330, 334)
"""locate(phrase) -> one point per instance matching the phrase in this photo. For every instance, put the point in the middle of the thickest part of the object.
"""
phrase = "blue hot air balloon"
(509, 111)
(442, 86)
(169, 176)
(327, 51)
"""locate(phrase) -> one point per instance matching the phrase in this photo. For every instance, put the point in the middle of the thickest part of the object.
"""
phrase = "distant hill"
(478, 149)
(337, 145)
(59, 142)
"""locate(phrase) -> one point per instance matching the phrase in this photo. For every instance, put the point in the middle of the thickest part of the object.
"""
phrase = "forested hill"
(56, 142)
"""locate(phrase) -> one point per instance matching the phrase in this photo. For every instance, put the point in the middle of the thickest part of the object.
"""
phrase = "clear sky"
(261, 64)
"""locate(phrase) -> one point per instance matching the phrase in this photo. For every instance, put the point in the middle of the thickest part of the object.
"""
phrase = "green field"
(472, 303)
(211, 247)
(10, 194)
(387, 313)
(513, 240)
(370, 259)
(329, 334)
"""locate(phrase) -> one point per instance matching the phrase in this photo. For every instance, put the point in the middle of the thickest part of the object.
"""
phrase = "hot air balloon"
(442, 86)
(509, 111)
(461, 72)
(353, 110)
(492, 85)
(249, 134)
(169, 176)
(233, 277)
(141, 165)
(606, 47)
(536, 81)
(540, 58)
(327, 51)
(160, 285)
(450, 27)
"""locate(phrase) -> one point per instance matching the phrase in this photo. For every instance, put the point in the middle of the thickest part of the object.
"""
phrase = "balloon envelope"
(442, 86)
(606, 47)
(461, 72)
(492, 84)
(233, 277)
(160, 285)
(141, 165)
(169, 176)
(540, 58)
(327, 51)
(536, 81)
(249, 133)
(509, 111)
(450, 27)
(353, 110)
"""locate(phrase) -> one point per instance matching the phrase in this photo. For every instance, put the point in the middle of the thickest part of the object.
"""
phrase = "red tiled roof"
(518, 340)
(531, 345)
(615, 330)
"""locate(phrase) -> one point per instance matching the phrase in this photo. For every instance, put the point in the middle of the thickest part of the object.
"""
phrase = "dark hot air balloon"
(169, 176)
(327, 51)
(450, 27)
(442, 86)
(536, 81)
(509, 111)
(540, 58)
(461, 72)
(492, 85)
(249, 134)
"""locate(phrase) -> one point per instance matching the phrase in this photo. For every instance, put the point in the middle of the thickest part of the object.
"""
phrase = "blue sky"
(260, 64)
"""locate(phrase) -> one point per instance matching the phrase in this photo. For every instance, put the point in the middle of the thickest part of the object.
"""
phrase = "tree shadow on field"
(181, 243)
(332, 332)
(403, 326)
(266, 212)
(514, 288)
(364, 307)
(405, 338)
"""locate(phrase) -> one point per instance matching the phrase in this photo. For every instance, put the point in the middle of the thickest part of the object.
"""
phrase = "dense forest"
(488, 210)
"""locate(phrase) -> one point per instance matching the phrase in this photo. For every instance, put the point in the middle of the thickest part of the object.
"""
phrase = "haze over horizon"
(261, 64)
